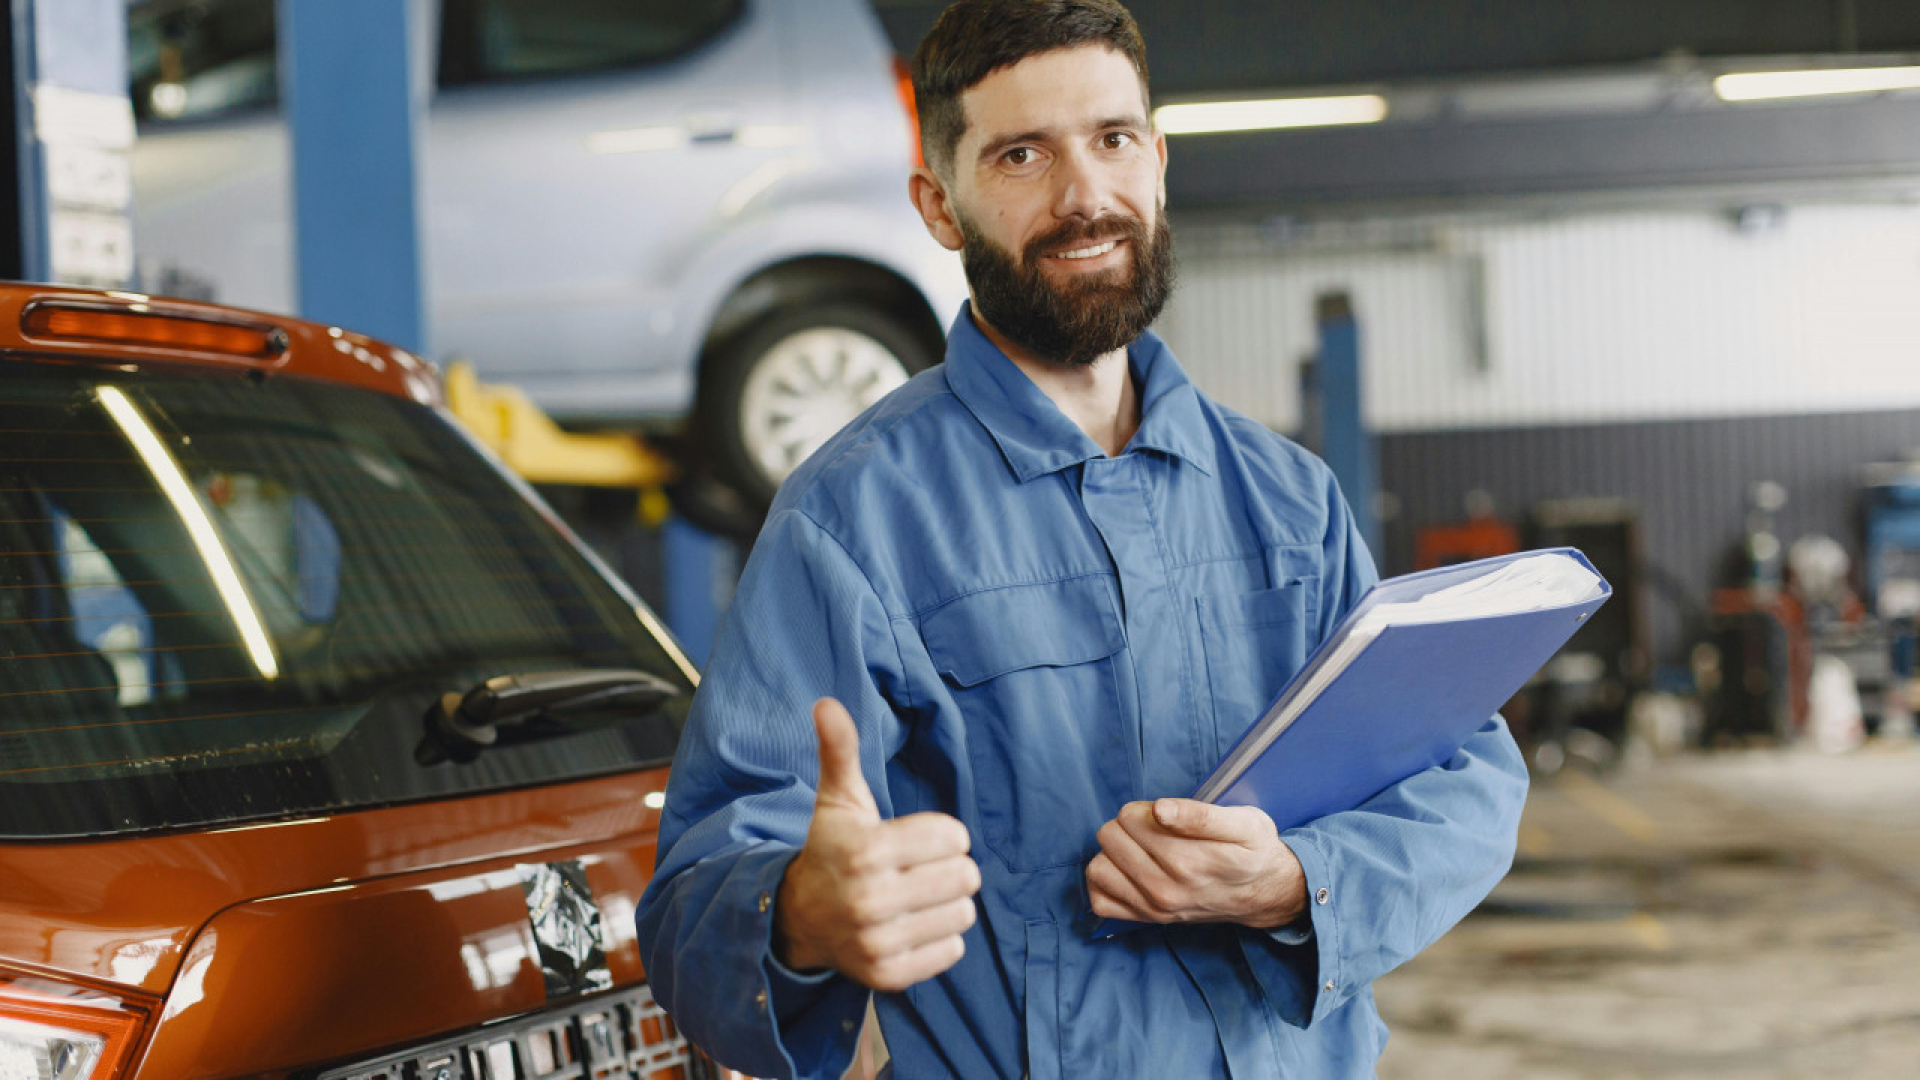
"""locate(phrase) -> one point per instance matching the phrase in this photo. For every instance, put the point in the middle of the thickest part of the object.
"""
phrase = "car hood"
(161, 915)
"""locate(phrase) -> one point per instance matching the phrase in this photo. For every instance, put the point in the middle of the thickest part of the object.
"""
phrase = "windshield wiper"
(527, 707)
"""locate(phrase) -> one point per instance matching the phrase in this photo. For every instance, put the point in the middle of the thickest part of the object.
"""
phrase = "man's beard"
(1077, 321)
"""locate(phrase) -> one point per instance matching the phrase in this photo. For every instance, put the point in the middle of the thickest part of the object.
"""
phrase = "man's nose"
(1081, 189)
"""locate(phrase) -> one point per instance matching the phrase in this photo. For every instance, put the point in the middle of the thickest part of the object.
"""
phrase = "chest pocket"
(1033, 671)
(1255, 642)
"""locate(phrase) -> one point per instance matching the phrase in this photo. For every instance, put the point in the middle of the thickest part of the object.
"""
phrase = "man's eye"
(1019, 155)
(1117, 140)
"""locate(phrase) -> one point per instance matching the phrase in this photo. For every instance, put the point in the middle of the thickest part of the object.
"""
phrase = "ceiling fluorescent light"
(1204, 117)
(1763, 85)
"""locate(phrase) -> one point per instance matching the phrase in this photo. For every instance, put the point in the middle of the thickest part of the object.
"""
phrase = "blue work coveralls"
(1029, 634)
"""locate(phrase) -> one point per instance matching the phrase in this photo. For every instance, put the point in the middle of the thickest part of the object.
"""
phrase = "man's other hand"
(1177, 860)
(883, 902)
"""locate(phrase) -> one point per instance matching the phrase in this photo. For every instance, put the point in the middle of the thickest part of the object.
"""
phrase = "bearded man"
(1031, 598)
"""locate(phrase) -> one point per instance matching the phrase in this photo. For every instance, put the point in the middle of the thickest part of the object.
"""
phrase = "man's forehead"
(1062, 89)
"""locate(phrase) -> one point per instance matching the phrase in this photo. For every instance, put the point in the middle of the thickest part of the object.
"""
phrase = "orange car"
(325, 751)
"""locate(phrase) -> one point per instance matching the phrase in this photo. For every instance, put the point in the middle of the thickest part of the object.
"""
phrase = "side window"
(196, 58)
(489, 40)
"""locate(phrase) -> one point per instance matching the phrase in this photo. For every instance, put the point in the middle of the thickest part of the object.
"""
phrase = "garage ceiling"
(1472, 85)
(1203, 46)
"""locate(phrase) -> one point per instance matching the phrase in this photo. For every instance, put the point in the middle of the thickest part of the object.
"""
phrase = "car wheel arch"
(819, 278)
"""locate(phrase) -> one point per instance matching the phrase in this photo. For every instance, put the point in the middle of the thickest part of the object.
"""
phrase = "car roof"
(90, 326)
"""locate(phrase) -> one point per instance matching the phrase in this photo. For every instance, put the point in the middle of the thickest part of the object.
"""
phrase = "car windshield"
(226, 599)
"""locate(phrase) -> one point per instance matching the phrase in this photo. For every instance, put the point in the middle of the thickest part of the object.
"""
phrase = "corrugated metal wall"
(1487, 321)
(1690, 481)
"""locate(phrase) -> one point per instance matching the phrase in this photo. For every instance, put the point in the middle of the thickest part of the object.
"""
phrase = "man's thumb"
(1184, 817)
(841, 780)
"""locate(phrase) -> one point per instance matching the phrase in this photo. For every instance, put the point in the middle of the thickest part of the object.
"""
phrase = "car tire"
(774, 392)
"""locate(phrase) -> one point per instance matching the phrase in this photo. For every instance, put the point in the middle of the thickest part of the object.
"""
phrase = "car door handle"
(711, 128)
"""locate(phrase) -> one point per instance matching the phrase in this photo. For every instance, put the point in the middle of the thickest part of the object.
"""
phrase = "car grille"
(619, 1036)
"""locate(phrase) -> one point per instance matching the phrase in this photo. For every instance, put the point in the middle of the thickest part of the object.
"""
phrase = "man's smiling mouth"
(1093, 252)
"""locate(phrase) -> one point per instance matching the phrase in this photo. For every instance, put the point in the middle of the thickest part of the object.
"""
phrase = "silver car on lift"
(634, 210)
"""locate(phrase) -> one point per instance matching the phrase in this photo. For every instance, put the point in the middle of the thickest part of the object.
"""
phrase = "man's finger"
(1107, 907)
(1129, 840)
(841, 781)
(1114, 895)
(901, 970)
(1135, 875)
(1204, 821)
(938, 882)
(915, 839)
(881, 897)
(910, 932)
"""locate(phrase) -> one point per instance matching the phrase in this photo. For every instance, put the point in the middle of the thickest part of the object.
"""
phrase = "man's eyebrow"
(995, 145)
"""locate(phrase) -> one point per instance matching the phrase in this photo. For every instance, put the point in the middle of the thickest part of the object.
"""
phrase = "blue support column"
(701, 570)
(73, 126)
(353, 88)
(1346, 445)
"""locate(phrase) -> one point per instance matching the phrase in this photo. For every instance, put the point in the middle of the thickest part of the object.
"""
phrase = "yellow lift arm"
(532, 445)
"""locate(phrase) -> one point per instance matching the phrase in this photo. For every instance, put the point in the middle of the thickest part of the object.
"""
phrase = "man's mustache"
(1079, 233)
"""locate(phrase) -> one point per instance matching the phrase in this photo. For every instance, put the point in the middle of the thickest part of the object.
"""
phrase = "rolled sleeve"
(721, 985)
(1387, 879)
(805, 624)
(1287, 961)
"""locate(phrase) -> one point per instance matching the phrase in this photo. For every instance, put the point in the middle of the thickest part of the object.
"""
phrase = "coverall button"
(1320, 897)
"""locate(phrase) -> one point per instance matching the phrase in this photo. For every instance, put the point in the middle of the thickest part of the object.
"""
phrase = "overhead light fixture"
(1765, 85)
(1207, 117)
(168, 99)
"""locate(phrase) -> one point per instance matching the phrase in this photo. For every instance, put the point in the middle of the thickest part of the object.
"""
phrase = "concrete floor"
(1752, 914)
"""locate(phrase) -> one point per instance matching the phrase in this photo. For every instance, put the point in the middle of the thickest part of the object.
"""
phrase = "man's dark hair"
(975, 38)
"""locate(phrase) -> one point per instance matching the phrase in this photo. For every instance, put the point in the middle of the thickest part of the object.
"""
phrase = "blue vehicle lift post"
(69, 195)
(701, 570)
(353, 86)
(1345, 443)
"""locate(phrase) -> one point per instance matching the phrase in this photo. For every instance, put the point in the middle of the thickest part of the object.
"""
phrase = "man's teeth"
(1088, 252)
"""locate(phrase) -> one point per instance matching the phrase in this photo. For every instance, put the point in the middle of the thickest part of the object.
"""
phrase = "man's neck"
(1099, 397)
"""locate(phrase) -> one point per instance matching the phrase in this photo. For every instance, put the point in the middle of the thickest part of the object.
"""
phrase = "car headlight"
(52, 1031)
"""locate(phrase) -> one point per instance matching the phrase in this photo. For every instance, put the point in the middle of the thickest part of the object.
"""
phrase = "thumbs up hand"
(882, 902)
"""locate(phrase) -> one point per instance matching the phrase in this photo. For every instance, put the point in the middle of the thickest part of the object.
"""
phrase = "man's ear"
(929, 196)
(1160, 147)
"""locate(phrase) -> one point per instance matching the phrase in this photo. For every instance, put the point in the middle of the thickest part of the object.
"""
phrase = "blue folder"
(1408, 702)
(1410, 699)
